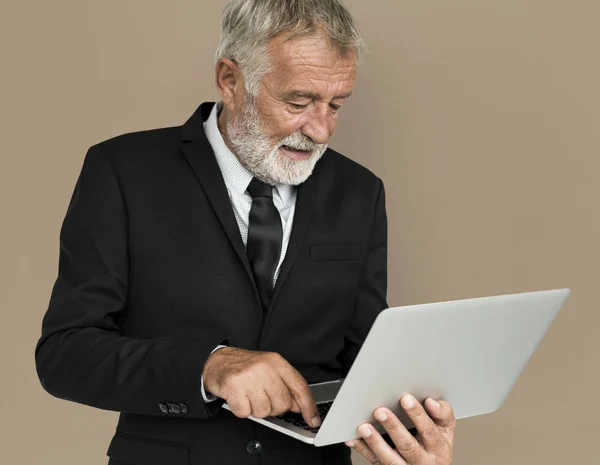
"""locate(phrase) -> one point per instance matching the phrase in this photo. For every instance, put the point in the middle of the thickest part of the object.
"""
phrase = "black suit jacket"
(153, 275)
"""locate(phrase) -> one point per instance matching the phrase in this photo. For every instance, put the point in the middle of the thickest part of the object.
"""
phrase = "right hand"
(260, 384)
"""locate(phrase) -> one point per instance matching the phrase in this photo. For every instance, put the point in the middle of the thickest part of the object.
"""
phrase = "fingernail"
(408, 401)
(316, 422)
(364, 431)
(380, 415)
(350, 444)
(436, 404)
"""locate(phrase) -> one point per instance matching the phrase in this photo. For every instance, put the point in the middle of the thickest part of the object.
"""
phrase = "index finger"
(302, 394)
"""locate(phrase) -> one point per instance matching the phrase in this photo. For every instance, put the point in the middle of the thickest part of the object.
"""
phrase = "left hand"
(432, 445)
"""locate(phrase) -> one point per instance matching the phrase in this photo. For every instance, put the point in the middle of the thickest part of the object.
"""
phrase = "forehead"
(310, 64)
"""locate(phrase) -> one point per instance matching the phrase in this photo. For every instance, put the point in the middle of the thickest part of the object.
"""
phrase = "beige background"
(481, 117)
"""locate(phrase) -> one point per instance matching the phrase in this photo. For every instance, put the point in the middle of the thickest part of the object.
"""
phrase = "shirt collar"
(235, 174)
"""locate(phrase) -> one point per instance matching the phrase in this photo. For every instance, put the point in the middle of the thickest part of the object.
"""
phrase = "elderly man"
(235, 258)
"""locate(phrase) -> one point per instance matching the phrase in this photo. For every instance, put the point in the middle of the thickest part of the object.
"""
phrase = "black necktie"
(265, 236)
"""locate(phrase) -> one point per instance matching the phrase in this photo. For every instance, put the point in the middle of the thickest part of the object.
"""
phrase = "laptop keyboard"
(297, 420)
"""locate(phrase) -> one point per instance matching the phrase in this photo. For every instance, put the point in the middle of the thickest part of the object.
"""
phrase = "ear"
(230, 83)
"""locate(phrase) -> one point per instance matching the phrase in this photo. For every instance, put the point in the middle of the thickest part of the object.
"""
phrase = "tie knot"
(258, 188)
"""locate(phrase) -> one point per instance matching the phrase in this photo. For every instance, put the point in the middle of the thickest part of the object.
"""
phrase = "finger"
(301, 393)
(428, 430)
(239, 404)
(402, 438)
(260, 404)
(360, 446)
(381, 449)
(280, 397)
(295, 406)
(441, 412)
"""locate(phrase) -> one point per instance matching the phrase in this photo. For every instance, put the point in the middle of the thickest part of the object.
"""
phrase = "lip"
(296, 154)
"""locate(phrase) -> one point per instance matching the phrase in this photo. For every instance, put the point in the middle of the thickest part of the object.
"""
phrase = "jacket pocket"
(139, 450)
(329, 253)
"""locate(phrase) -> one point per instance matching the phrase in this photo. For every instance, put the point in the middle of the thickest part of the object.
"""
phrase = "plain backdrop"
(481, 117)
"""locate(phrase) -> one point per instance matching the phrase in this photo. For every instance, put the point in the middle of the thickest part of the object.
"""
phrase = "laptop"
(469, 353)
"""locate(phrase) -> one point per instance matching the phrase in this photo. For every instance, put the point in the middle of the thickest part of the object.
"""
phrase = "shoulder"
(137, 147)
(341, 170)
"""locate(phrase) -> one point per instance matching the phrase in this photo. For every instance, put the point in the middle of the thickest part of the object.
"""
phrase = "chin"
(280, 168)
(295, 178)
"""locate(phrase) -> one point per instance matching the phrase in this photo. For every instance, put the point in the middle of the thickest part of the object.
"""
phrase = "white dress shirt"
(237, 178)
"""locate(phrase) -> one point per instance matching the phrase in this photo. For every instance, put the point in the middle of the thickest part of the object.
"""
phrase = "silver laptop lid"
(467, 352)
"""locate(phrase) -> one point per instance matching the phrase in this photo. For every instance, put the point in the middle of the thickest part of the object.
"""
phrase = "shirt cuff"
(207, 396)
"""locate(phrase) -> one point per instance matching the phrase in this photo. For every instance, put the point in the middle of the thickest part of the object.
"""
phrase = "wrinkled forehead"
(310, 63)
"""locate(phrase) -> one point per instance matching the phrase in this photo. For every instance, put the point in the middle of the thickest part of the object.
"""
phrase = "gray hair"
(249, 25)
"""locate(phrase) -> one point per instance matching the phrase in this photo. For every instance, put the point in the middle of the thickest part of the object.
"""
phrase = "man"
(236, 258)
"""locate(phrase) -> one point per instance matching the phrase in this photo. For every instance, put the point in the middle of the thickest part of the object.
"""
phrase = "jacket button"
(163, 408)
(174, 408)
(254, 447)
(183, 407)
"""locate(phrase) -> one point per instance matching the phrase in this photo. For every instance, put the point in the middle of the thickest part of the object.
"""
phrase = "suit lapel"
(305, 205)
(200, 156)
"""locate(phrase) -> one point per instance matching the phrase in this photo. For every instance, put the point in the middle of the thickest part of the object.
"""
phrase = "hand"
(431, 446)
(260, 384)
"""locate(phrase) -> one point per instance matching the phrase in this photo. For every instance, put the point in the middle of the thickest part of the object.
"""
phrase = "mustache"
(299, 141)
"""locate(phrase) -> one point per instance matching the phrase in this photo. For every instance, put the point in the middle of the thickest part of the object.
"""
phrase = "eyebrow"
(311, 95)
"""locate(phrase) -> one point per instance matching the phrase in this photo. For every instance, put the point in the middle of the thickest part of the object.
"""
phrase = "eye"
(298, 106)
(335, 108)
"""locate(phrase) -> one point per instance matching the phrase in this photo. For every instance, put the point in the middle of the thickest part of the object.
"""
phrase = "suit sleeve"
(81, 355)
(372, 291)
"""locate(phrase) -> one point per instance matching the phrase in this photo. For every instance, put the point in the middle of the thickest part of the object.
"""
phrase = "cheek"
(288, 125)
(332, 122)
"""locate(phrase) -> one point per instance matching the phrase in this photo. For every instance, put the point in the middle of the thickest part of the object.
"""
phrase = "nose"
(319, 126)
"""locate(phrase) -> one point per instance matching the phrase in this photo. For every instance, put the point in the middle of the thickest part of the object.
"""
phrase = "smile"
(295, 153)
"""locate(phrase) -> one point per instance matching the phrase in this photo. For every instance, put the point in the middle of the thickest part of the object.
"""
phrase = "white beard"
(267, 164)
